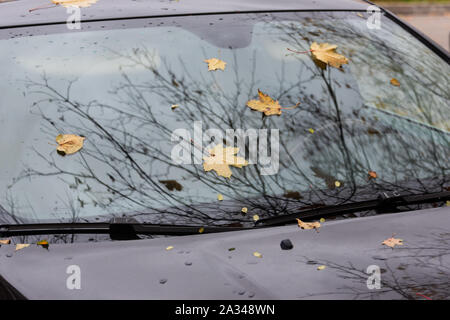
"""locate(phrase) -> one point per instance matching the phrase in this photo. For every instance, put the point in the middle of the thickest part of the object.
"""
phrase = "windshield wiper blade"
(118, 229)
(384, 203)
(129, 229)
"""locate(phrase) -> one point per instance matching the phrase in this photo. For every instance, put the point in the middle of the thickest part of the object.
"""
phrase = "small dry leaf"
(372, 175)
(311, 130)
(321, 267)
(395, 82)
(69, 143)
(337, 184)
(447, 203)
(255, 217)
(267, 105)
(174, 106)
(220, 160)
(322, 220)
(326, 53)
(169, 248)
(43, 243)
(244, 210)
(172, 185)
(75, 3)
(220, 197)
(201, 230)
(257, 254)
(308, 225)
(392, 242)
(20, 246)
(214, 64)
(5, 241)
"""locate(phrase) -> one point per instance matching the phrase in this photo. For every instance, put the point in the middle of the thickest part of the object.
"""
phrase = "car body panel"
(202, 267)
(18, 10)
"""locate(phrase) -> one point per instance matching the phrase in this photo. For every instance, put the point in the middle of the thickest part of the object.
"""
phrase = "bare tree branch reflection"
(128, 151)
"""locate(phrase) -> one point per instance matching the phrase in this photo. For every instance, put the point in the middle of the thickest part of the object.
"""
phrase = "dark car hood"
(202, 267)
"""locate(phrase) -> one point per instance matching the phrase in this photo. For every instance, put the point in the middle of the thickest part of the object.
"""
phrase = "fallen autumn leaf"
(372, 175)
(308, 225)
(69, 143)
(326, 53)
(257, 254)
(21, 246)
(43, 243)
(74, 3)
(395, 82)
(220, 160)
(267, 105)
(214, 64)
(392, 242)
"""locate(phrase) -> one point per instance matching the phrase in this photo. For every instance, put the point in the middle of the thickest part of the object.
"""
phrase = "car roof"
(16, 12)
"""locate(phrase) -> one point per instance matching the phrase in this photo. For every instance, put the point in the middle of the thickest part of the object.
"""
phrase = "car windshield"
(157, 121)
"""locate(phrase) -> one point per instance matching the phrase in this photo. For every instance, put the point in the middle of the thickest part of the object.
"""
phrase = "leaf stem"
(295, 51)
(43, 7)
(290, 108)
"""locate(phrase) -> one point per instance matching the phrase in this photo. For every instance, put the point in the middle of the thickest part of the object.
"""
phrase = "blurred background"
(432, 17)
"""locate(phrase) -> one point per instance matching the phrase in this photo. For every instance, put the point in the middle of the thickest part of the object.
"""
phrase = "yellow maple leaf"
(244, 210)
(69, 143)
(220, 159)
(392, 242)
(321, 267)
(326, 53)
(74, 3)
(20, 246)
(267, 105)
(169, 248)
(395, 82)
(308, 225)
(219, 197)
(214, 64)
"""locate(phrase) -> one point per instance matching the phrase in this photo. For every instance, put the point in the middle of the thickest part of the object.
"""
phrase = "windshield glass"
(141, 94)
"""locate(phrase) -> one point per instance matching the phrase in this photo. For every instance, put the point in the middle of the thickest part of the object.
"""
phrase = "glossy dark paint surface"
(202, 267)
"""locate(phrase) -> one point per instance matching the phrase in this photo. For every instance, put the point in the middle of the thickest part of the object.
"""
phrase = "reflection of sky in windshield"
(127, 79)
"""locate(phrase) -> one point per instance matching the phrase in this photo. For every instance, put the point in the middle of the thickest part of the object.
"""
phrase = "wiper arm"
(129, 229)
(118, 229)
(385, 202)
